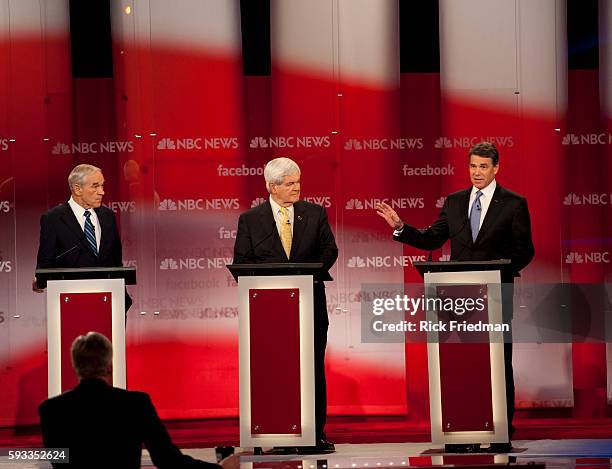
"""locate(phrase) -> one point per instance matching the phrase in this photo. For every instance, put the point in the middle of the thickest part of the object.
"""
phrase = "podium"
(81, 300)
(276, 352)
(467, 385)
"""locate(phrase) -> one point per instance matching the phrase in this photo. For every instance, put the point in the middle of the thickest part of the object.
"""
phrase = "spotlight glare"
(128, 10)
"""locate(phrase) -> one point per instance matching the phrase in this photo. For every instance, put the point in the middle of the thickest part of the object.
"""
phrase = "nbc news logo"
(168, 204)
(166, 144)
(587, 199)
(601, 138)
(257, 201)
(400, 203)
(443, 142)
(199, 204)
(596, 257)
(356, 261)
(354, 204)
(168, 264)
(60, 149)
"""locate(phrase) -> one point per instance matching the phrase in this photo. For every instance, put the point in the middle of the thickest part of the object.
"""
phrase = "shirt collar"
(77, 209)
(487, 191)
(276, 207)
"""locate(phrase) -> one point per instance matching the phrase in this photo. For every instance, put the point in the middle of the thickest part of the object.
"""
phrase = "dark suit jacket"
(257, 241)
(60, 231)
(505, 232)
(63, 244)
(106, 427)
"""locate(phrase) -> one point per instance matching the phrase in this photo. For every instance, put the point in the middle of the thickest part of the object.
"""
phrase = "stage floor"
(582, 454)
(565, 454)
(561, 453)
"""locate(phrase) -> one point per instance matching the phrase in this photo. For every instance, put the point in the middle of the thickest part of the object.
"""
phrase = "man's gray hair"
(79, 173)
(276, 170)
(92, 355)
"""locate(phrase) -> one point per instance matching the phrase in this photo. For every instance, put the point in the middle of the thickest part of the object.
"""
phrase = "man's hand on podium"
(35, 287)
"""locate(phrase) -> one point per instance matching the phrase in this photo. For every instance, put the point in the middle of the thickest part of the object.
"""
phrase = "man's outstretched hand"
(389, 215)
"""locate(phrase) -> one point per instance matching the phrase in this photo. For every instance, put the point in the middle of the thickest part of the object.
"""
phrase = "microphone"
(68, 251)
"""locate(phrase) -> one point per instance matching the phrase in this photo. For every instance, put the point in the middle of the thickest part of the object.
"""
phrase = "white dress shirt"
(79, 213)
(278, 216)
(485, 200)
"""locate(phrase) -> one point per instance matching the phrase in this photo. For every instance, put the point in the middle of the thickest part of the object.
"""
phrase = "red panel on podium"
(81, 313)
(275, 364)
(465, 368)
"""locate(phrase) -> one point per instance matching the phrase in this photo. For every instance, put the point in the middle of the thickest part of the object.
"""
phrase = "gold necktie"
(285, 231)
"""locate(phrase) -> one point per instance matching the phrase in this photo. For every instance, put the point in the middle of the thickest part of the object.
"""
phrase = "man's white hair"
(276, 170)
(79, 173)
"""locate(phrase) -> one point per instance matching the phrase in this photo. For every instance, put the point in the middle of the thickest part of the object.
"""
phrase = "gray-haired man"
(80, 232)
(103, 426)
(287, 229)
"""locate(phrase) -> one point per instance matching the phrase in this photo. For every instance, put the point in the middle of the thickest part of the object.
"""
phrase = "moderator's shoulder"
(131, 396)
(56, 402)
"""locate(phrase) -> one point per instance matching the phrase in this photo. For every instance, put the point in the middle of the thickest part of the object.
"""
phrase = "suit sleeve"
(430, 238)
(243, 246)
(47, 243)
(117, 249)
(328, 251)
(164, 453)
(523, 250)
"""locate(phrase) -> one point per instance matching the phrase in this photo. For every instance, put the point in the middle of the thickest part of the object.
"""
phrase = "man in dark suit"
(485, 222)
(103, 426)
(80, 232)
(286, 229)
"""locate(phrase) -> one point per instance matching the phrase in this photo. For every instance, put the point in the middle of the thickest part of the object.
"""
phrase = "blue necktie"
(475, 216)
(90, 232)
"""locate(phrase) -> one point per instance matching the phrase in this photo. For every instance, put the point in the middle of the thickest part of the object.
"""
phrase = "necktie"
(475, 216)
(285, 232)
(90, 232)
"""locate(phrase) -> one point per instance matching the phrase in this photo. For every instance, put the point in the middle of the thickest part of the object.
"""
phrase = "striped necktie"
(90, 232)
(286, 234)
